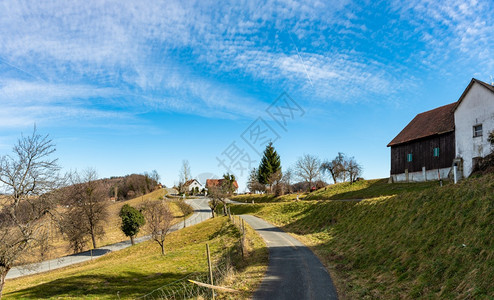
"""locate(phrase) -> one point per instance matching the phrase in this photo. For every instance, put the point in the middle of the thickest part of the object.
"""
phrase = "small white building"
(474, 120)
(190, 185)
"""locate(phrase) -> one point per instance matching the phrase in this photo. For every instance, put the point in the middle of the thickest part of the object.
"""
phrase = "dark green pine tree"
(270, 166)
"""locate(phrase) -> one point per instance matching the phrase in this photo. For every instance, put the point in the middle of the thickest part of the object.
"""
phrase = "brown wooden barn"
(425, 148)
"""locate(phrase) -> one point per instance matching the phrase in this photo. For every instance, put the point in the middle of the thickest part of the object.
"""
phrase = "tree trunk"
(94, 240)
(132, 240)
(212, 211)
(162, 248)
(3, 274)
(334, 177)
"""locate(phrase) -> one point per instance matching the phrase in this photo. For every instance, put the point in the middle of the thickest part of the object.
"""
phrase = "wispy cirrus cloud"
(452, 31)
(192, 56)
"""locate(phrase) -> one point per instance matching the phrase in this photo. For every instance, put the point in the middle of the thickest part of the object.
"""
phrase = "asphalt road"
(201, 212)
(294, 272)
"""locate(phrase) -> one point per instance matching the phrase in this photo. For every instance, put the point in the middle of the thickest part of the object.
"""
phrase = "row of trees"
(131, 186)
(85, 204)
(157, 217)
(308, 170)
(34, 195)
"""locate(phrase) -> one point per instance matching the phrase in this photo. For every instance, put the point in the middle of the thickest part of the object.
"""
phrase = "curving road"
(294, 272)
(201, 212)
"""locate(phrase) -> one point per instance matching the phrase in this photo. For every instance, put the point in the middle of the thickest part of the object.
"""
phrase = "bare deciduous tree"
(155, 176)
(307, 168)
(27, 178)
(341, 168)
(354, 169)
(158, 221)
(217, 195)
(336, 167)
(253, 182)
(86, 210)
(184, 175)
(286, 180)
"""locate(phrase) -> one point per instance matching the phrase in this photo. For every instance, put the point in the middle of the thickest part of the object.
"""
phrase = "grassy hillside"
(140, 269)
(367, 189)
(345, 190)
(264, 198)
(435, 243)
(113, 233)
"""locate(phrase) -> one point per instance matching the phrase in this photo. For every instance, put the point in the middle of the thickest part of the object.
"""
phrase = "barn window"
(436, 152)
(409, 157)
(477, 130)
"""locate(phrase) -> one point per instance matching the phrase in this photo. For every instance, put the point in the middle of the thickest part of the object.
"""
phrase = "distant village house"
(193, 185)
(219, 182)
(435, 141)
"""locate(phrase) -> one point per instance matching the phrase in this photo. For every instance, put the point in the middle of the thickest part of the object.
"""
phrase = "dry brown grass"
(59, 247)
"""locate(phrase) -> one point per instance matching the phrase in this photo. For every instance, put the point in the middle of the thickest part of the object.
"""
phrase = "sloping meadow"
(432, 243)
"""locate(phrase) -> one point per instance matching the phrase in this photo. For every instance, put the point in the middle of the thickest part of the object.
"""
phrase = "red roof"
(218, 182)
(433, 122)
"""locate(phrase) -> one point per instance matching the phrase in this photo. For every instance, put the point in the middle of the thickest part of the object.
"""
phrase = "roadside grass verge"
(434, 243)
(138, 270)
(363, 189)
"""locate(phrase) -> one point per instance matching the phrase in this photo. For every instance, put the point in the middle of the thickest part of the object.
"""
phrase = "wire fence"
(221, 270)
(184, 289)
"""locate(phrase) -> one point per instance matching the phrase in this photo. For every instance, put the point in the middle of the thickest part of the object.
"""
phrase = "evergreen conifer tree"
(270, 166)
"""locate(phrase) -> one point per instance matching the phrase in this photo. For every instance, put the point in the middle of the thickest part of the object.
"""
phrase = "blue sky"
(127, 87)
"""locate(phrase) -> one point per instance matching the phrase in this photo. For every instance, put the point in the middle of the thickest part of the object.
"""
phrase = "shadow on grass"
(132, 284)
(264, 198)
(368, 189)
(126, 284)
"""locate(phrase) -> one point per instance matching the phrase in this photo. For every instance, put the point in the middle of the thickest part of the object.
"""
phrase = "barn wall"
(422, 152)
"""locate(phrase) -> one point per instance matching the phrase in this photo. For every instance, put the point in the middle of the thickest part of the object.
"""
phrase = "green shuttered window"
(436, 152)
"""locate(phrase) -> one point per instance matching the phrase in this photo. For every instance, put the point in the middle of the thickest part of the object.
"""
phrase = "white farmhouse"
(435, 141)
(190, 185)
(474, 120)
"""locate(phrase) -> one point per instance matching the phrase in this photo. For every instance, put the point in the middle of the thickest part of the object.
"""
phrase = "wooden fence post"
(210, 270)
(242, 241)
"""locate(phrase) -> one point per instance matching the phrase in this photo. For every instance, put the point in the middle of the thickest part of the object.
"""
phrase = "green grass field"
(140, 269)
(430, 243)
(367, 189)
(345, 190)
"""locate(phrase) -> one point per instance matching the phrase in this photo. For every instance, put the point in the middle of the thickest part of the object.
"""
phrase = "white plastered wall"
(476, 108)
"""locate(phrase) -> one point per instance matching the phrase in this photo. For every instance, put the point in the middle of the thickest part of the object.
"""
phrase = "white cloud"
(458, 31)
(100, 55)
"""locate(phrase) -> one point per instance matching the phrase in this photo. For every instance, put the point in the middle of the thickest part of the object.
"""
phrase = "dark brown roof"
(189, 182)
(486, 85)
(437, 121)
